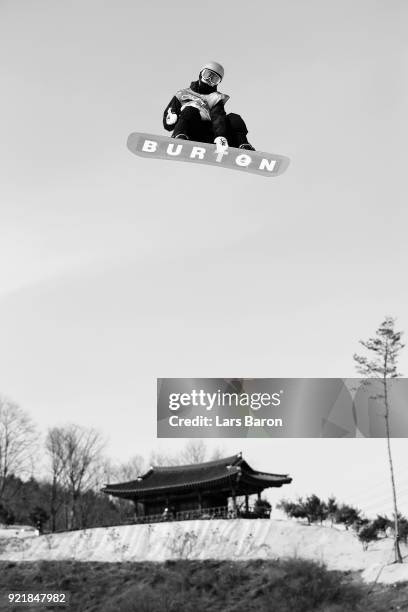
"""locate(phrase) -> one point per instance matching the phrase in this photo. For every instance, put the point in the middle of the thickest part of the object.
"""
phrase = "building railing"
(220, 512)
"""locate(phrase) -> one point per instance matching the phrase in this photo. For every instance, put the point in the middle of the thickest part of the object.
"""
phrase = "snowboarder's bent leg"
(188, 122)
(237, 131)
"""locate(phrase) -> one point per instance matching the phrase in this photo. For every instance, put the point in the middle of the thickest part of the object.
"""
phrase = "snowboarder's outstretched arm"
(171, 114)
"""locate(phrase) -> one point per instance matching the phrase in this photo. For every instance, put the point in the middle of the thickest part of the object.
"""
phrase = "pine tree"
(369, 533)
(332, 508)
(383, 350)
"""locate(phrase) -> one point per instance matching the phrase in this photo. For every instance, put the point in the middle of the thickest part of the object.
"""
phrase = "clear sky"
(115, 270)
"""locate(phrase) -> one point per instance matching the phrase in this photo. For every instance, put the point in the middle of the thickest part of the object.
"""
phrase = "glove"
(221, 144)
(171, 118)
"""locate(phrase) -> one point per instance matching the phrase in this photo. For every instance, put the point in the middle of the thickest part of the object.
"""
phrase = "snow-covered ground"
(18, 531)
(215, 539)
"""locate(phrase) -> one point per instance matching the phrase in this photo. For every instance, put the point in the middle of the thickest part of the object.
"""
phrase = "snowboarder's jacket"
(210, 105)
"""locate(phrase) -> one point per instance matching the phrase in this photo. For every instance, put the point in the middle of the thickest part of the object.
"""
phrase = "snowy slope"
(216, 539)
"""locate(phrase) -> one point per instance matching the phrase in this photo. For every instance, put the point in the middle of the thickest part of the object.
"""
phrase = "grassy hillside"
(201, 586)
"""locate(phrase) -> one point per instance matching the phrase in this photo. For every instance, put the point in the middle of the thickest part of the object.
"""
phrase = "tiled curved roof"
(179, 477)
(215, 463)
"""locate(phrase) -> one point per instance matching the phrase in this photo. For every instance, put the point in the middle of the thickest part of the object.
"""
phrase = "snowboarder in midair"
(197, 113)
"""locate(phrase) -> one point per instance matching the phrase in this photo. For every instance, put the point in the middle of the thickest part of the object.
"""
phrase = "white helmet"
(212, 73)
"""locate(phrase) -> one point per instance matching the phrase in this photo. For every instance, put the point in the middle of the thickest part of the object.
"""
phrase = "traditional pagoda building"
(201, 489)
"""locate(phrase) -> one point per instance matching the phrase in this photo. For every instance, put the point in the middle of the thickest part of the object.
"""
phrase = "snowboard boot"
(247, 147)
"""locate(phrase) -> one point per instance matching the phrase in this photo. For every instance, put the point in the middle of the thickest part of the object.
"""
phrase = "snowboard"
(174, 149)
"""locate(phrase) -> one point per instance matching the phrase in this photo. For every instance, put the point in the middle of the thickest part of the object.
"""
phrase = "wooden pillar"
(200, 507)
(246, 504)
(234, 501)
(259, 495)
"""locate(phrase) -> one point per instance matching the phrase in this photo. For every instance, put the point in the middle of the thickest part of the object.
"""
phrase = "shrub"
(315, 509)
(312, 508)
(360, 523)
(292, 509)
(262, 507)
(382, 523)
(291, 585)
(367, 534)
(403, 530)
(347, 515)
(332, 508)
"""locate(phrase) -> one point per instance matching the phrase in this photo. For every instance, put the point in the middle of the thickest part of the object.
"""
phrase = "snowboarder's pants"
(191, 124)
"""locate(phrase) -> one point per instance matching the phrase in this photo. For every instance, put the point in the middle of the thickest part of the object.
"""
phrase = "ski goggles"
(210, 77)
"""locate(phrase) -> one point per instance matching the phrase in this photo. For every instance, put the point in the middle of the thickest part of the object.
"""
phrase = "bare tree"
(384, 349)
(129, 470)
(158, 458)
(122, 472)
(18, 442)
(55, 449)
(217, 453)
(76, 459)
(195, 451)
